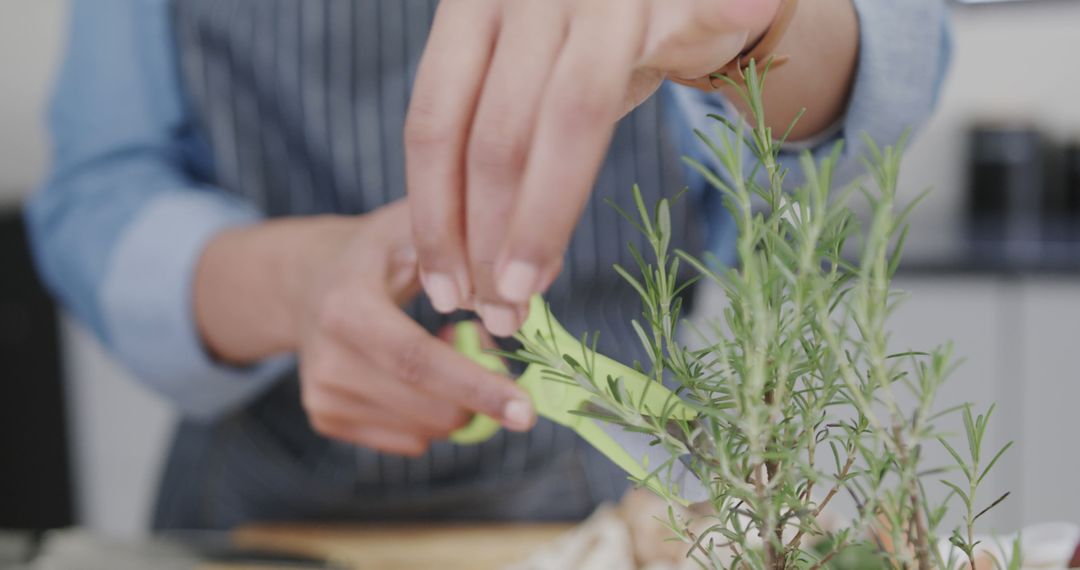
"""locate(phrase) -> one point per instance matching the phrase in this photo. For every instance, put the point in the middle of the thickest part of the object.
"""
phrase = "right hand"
(369, 374)
(514, 106)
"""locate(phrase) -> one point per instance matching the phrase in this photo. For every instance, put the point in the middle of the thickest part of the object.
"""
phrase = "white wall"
(30, 40)
(118, 431)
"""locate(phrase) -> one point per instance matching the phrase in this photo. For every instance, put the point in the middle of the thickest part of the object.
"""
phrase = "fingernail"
(518, 414)
(500, 320)
(442, 292)
(518, 281)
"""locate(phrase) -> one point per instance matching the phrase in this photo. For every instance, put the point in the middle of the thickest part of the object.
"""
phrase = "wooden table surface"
(447, 547)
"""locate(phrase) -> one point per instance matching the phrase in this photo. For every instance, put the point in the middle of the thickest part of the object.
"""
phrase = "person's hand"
(369, 374)
(513, 108)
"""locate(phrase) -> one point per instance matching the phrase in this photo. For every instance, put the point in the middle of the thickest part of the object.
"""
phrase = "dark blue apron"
(301, 105)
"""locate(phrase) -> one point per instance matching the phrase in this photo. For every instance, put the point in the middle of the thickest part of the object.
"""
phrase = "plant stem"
(772, 469)
(699, 546)
(972, 487)
(797, 539)
(922, 543)
(832, 554)
(922, 537)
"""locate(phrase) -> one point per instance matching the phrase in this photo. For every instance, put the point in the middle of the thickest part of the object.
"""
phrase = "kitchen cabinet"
(973, 314)
(1049, 390)
(1017, 338)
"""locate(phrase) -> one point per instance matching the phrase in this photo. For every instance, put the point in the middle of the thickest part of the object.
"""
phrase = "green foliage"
(974, 473)
(862, 556)
(800, 398)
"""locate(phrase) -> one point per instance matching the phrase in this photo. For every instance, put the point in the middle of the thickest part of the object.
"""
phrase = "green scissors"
(556, 400)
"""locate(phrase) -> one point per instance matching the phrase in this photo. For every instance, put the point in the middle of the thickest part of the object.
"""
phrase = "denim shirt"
(119, 225)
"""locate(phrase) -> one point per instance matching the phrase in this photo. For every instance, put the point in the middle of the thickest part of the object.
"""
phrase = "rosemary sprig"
(801, 398)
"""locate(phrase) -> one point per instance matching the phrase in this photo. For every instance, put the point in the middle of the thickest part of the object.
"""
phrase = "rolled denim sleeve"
(904, 50)
(118, 227)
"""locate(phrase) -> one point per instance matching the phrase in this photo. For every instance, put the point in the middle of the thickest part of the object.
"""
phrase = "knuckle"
(497, 146)
(449, 422)
(434, 249)
(472, 392)
(331, 316)
(584, 109)
(424, 130)
(458, 420)
(412, 363)
(581, 113)
(369, 334)
(316, 372)
(503, 158)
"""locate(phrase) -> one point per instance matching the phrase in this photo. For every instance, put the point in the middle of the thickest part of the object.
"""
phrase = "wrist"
(252, 284)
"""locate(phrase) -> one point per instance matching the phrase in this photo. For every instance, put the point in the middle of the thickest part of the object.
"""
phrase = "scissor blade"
(679, 476)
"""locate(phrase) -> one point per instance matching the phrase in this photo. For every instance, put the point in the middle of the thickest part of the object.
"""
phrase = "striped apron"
(301, 105)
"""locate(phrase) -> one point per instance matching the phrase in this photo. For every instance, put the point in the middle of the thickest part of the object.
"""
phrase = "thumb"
(391, 226)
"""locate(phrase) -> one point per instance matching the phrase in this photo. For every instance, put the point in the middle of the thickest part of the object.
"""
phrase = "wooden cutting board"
(449, 547)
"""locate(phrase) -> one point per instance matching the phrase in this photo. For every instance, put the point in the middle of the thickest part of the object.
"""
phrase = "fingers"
(513, 108)
(528, 44)
(390, 441)
(692, 38)
(584, 98)
(382, 252)
(397, 405)
(423, 363)
(341, 379)
(436, 130)
(340, 403)
(351, 401)
(354, 421)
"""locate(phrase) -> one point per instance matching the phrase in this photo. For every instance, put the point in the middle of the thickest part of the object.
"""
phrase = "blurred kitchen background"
(997, 271)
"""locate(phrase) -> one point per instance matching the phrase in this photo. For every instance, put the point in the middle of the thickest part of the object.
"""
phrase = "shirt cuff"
(904, 52)
(148, 312)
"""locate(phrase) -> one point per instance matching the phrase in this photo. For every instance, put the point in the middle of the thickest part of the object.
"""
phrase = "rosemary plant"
(798, 395)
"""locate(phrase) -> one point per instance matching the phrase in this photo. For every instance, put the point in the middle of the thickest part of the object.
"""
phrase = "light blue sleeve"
(120, 223)
(904, 50)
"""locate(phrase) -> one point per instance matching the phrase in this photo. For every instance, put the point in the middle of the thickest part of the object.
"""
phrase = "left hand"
(513, 108)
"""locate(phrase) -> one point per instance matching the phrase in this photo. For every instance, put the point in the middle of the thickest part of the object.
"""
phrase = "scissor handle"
(558, 401)
(467, 341)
